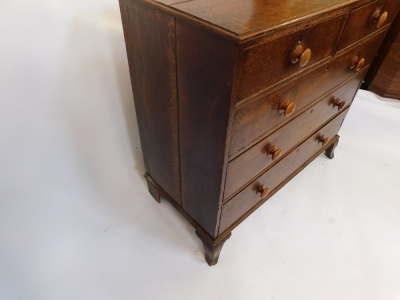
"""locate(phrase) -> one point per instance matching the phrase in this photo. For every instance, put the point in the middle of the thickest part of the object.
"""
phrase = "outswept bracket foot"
(212, 250)
(330, 151)
(153, 191)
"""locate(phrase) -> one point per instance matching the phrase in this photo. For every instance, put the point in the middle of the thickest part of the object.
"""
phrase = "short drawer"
(275, 176)
(253, 121)
(245, 167)
(266, 64)
(367, 19)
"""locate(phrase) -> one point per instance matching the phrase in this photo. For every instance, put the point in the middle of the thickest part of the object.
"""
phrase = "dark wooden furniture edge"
(315, 16)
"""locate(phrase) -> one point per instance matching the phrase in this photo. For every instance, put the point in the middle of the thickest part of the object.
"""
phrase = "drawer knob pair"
(274, 152)
(357, 63)
(301, 55)
(287, 107)
(263, 191)
(323, 140)
(379, 18)
(338, 103)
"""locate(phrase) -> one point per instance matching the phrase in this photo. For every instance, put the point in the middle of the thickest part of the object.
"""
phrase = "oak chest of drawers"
(235, 97)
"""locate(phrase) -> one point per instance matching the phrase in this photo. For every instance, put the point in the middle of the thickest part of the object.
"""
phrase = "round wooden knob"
(354, 62)
(379, 18)
(323, 140)
(275, 153)
(360, 64)
(382, 19)
(263, 191)
(287, 107)
(301, 55)
(357, 63)
(339, 104)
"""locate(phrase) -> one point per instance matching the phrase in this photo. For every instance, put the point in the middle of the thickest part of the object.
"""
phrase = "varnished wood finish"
(248, 197)
(154, 89)
(251, 163)
(384, 75)
(205, 77)
(253, 121)
(234, 98)
(321, 12)
(277, 55)
(243, 16)
(363, 21)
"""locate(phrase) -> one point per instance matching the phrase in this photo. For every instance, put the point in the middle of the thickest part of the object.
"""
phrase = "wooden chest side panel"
(150, 40)
(205, 68)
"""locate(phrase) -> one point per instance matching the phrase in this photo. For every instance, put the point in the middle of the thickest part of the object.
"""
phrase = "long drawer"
(250, 196)
(287, 55)
(256, 119)
(252, 162)
(367, 19)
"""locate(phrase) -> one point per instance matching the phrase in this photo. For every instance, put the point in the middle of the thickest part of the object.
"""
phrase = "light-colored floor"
(77, 222)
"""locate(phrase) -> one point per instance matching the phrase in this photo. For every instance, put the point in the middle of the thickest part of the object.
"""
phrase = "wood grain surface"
(253, 121)
(252, 162)
(248, 197)
(154, 88)
(241, 16)
(276, 55)
(359, 24)
(206, 66)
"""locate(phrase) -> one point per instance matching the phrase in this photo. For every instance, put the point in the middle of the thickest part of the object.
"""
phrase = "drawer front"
(266, 64)
(256, 119)
(367, 19)
(246, 199)
(245, 167)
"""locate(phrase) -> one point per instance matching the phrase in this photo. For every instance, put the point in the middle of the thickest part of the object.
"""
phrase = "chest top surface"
(244, 16)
